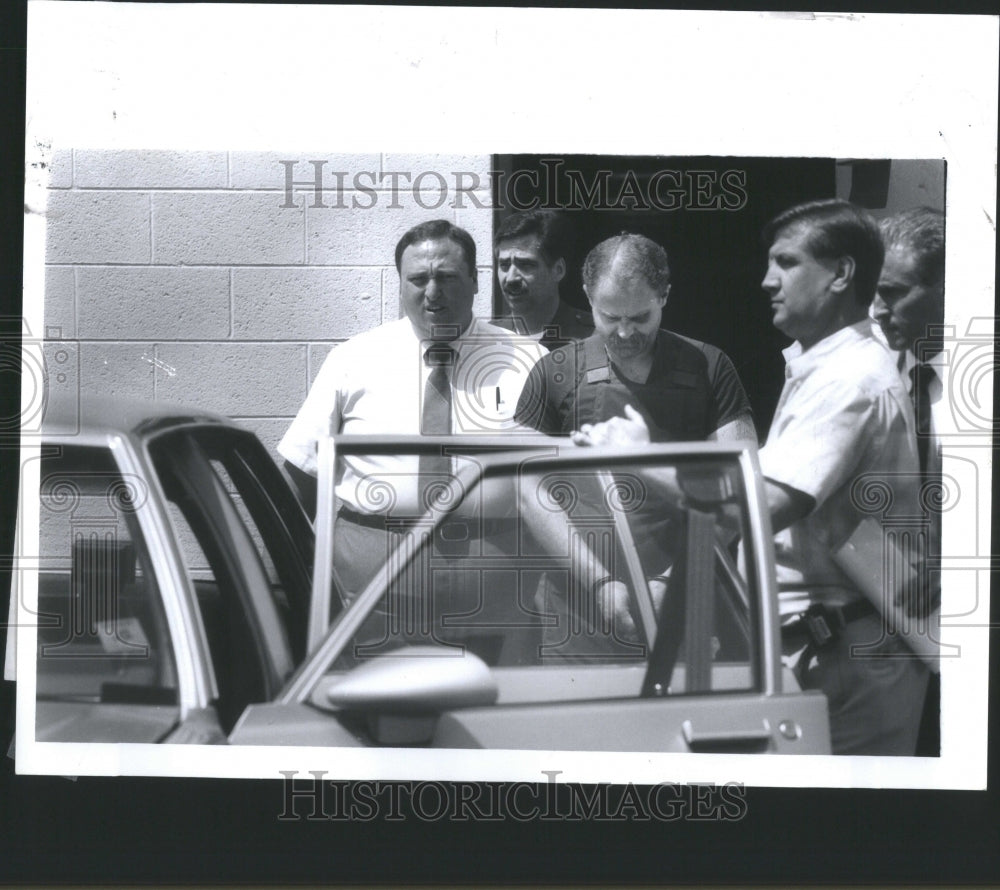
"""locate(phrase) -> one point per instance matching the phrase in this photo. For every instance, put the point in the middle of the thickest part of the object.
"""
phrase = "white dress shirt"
(373, 384)
(844, 417)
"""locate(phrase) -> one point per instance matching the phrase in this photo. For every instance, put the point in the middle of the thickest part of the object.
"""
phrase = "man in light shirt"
(909, 307)
(844, 420)
(437, 371)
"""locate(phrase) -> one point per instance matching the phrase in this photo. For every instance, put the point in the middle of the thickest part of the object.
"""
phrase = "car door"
(509, 645)
(176, 575)
(246, 546)
(106, 667)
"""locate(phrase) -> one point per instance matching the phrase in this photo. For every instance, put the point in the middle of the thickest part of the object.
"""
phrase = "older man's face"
(627, 315)
(905, 306)
(436, 288)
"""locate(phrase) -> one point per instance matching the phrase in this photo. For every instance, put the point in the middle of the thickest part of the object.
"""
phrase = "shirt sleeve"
(819, 437)
(731, 402)
(536, 406)
(323, 406)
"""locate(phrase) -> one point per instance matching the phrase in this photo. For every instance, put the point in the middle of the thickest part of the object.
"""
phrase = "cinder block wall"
(195, 277)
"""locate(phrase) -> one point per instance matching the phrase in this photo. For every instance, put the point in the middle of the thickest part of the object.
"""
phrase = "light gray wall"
(179, 276)
(912, 183)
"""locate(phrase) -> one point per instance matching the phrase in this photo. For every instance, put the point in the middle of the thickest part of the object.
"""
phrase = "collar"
(458, 344)
(564, 313)
(908, 360)
(798, 360)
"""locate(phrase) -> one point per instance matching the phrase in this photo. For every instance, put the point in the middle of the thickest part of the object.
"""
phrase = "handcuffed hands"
(628, 430)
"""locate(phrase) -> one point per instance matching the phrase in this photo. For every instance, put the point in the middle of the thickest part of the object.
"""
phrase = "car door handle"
(753, 739)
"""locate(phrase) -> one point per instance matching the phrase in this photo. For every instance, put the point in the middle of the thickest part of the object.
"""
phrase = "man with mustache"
(682, 388)
(530, 253)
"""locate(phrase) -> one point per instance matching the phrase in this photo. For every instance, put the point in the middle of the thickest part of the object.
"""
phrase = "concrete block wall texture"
(221, 279)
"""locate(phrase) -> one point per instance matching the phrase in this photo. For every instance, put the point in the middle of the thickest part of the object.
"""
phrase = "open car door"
(509, 644)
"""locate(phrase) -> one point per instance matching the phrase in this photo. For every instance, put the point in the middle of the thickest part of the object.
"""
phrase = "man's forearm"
(786, 504)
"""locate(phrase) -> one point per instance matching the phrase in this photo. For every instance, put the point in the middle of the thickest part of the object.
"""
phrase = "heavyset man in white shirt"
(377, 383)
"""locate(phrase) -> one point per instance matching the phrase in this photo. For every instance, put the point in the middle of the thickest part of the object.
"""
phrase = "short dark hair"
(435, 230)
(548, 225)
(920, 230)
(837, 228)
(635, 256)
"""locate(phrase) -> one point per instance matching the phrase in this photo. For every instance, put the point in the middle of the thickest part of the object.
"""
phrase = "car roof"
(104, 415)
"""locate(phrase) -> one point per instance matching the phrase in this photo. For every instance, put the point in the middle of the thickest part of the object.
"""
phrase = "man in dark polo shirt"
(682, 388)
(530, 253)
(630, 373)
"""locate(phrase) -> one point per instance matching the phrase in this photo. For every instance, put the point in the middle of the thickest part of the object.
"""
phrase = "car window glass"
(278, 528)
(103, 639)
(258, 539)
(687, 523)
(521, 569)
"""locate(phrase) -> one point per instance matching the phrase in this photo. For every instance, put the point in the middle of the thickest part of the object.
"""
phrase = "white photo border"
(629, 82)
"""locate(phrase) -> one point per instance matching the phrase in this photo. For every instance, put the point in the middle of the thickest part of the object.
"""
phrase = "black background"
(128, 830)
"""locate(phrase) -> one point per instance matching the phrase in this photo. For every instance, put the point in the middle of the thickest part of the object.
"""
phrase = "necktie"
(922, 376)
(435, 419)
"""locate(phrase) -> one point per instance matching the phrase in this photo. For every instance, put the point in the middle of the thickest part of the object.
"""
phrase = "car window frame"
(138, 536)
(244, 569)
(506, 453)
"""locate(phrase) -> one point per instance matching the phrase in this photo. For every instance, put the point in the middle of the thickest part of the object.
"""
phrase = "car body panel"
(125, 433)
(719, 724)
(87, 722)
(292, 724)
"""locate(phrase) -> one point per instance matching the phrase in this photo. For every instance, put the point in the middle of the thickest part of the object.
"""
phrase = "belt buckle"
(817, 620)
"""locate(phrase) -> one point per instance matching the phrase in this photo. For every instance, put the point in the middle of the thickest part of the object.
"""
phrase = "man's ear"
(559, 269)
(843, 274)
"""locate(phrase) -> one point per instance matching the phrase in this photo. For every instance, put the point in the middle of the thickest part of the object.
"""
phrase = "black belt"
(821, 624)
(371, 520)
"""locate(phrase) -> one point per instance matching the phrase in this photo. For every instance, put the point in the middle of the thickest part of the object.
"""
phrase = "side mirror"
(403, 693)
